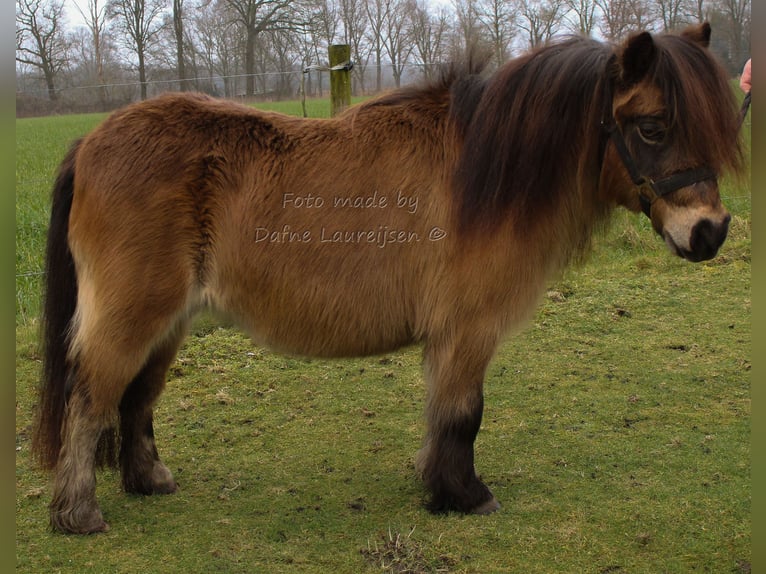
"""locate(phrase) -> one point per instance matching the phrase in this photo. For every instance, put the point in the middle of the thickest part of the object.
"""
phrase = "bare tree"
(614, 18)
(306, 48)
(540, 19)
(95, 21)
(377, 12)
(40, 40)
(585, 11)
(738, 15)
(641, 13)
(180, 41)
(699, 10)
(284, 55)
(428, 33)
(219, 43)
(325, 21)
(673, 14)
(354, 18)
(618, 17)
(323, 30)
(467, 26)
(257, 16)
(396, 39)
(140, 21)
(498, 18)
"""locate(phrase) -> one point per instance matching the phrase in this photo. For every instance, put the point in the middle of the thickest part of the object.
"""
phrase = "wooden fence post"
(340, 79)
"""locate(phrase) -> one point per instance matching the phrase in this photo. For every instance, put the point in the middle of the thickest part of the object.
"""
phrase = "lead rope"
(744, 108)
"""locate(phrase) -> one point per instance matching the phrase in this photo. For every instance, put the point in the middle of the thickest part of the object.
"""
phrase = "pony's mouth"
(674, 248)
(688, 254)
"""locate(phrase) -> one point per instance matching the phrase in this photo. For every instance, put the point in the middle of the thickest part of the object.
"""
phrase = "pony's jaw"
(696, 234)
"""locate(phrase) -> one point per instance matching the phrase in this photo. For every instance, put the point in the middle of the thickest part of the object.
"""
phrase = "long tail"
(60, 301)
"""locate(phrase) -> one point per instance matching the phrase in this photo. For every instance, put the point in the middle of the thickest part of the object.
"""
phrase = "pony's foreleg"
(142, 470)
(455, 378)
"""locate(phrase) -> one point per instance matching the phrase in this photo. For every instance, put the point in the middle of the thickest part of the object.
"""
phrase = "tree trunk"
(250, 61)
(52, 94)
(178, 29)
(142, 73)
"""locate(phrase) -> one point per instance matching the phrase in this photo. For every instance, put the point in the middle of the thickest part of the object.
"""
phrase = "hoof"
(492, 505)
(162, 479)
(158, 481)
(442, 503)
(78, 522)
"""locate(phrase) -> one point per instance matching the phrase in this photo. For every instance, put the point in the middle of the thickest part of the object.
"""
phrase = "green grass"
(616, 431)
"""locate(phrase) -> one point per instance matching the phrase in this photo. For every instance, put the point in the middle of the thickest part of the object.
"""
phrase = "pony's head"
(672, 119)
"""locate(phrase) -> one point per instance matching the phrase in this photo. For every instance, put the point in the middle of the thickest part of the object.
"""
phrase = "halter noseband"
(649, 190)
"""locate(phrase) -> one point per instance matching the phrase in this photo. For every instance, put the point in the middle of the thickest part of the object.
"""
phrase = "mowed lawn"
(616, 429)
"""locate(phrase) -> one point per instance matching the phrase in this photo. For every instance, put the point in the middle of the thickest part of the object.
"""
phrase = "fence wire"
(410, 72)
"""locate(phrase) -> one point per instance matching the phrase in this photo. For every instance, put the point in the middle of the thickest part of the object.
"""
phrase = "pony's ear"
(699, 34)
(637, 56)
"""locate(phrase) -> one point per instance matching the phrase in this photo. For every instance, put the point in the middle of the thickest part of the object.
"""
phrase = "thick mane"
(529, 127)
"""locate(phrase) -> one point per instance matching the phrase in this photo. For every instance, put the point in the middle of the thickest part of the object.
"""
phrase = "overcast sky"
(74, 18)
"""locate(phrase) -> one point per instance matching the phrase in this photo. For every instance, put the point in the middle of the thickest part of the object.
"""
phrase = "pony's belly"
(329, 322)
(309, 338)
(310, 292)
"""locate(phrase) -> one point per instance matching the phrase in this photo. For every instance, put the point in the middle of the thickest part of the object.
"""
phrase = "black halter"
(649, 190)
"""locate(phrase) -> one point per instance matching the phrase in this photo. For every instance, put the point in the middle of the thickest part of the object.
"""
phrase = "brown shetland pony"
(432, 215)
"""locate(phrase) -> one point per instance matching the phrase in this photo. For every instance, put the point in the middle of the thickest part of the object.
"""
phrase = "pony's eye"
(651, 131)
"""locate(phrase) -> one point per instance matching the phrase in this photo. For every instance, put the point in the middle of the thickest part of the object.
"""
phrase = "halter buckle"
(647, 190)
(647, 195)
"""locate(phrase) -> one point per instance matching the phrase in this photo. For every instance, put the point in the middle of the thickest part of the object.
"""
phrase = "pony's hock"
(156, 215)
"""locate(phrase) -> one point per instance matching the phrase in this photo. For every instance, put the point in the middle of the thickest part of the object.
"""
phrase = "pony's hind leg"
(116, 343)
(455, 377)
(112, 379)
(142, 470)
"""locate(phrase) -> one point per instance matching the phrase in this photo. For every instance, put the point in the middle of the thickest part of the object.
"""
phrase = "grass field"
(616, 430)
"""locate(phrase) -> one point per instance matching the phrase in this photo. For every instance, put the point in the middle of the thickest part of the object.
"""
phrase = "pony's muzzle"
(692, 220)
(704, 239)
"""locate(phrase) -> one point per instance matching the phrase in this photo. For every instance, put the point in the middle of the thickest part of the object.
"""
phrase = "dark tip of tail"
(59, 303)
